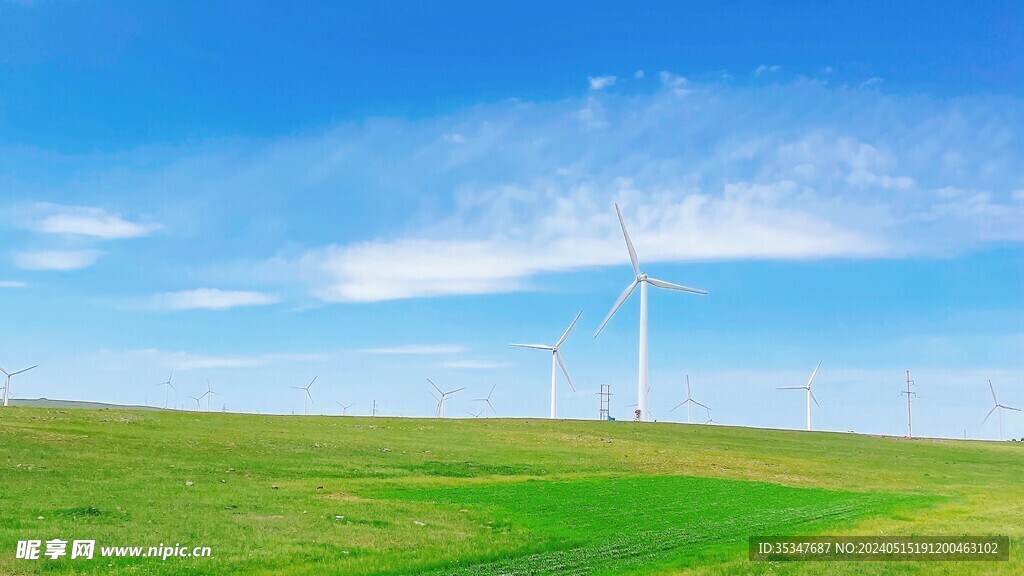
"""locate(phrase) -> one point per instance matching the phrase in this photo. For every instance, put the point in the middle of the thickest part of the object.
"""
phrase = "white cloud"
(1018, 195)
(473, 364)
(676, 83)
(182, 361)
(12, 284)
(417, 349)
(601, 82)
(765, 68)
(638, 74)
(56, 260)
(211, 299)
(90, 222)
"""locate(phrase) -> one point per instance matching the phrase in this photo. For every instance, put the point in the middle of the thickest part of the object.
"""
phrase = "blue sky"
(377, 193)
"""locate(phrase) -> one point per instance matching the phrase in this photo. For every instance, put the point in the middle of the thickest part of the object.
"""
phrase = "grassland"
(331, 495)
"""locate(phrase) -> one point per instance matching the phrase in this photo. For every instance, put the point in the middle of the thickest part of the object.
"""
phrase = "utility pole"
(606, 402)
(910, 420)
(373, 411)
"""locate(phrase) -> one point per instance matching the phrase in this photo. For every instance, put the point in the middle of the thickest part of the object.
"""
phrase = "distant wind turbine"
(810, 395)
(7, 380)
(487, 401)
(208, 395)
(556, 359)
(999, 407)
(478, 414)
(167, 389)
(689, 402)
(198, 408)
(344, 407)
(307, 397)
(444, 396)
(643, 280)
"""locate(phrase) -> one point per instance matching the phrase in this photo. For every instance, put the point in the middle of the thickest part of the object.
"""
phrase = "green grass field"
(331, 495)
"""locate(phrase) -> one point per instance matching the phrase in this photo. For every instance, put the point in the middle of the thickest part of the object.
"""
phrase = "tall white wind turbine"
(306, 397)
(444, 396)
(556, 360)
(998, 407)
(690, 402)
(345, 407)
(7, 381)
(643, 280)
(167, 389)
(810, 395)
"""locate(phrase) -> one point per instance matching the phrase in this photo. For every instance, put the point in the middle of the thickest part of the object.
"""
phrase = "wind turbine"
(556, 359)
(487, 401)
(307, 397)
(344, 408)
(690, 402)
(208, 395)
(444, 396)
(167, 389)
(7, 381)
(999, 407)
(197, 401)
(643, 280)
(810, 395)
(478, 414)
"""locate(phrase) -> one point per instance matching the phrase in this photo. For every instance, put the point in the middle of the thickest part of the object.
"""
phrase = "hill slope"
(313, 495)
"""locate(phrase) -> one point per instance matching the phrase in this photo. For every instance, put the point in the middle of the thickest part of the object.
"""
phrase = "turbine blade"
(792, 388)
(491, 392)
(534, 346)
(813, 374)
(4, 371)
(994, 408)
(701, 405)
(454, 391)
(564, 371)
(671, 286)
(622, 298)
(435, 386)
(25, 370)
(569, 329)
(1011, 408)
(813, 398)
(629, 244)
(311, 381)
(677, 406)
(993, 392)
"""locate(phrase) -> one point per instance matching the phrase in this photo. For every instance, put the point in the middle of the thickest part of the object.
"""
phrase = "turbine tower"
(307, 397)
(556, 359)
(690, 402)
(444, 396)
(643, 280)
(999, 407)
(810, 395)
(7, 381)
(167, 389)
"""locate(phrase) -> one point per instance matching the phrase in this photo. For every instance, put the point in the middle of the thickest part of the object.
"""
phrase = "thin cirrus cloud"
(13, 284)
(704, 170)
(417, 349)
(89, 222)
(211, 299)
(182, 360)
(56, 260)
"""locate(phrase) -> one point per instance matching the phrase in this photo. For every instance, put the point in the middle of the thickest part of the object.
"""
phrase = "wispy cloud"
(492, 197)
(764, 68)
(473, 364)
(89, 222)
(181, 360)
(601, 82)
(12, 284)
(417, 349)
(56, 260)
(211, 299)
